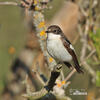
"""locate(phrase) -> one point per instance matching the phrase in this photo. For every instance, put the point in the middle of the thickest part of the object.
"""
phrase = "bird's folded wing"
(70, 49)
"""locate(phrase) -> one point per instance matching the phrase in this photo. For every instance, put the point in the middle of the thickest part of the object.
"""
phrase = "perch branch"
(9, 3)
(44, 91)
(38, 76)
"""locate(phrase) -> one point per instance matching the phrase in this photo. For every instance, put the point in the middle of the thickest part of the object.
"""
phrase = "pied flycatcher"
(60, 48)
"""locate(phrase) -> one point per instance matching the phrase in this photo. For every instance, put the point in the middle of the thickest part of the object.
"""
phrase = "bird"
(60, 48)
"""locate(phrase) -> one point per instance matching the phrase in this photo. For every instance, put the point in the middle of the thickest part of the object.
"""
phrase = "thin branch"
(43, 91)
(90, 54)
(62, 75)
(84, 40)
(70, 74)
(9, 3)
(75, 40)
(89, 69)
(39, 78)
(36, 95)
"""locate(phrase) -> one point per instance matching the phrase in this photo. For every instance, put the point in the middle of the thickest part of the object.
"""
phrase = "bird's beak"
(46, 31)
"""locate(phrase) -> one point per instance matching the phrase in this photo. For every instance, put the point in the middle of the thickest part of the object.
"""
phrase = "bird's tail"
(78, 69)
(77, 66)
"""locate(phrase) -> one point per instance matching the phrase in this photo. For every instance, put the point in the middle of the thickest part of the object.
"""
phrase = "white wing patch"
(71, 47)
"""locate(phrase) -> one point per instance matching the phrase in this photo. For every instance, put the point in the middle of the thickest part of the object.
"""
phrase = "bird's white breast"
(56, 48)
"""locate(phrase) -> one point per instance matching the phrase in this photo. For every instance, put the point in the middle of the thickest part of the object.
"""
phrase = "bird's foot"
(58, 67)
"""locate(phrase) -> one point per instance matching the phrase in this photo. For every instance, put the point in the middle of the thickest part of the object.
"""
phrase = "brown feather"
(67, 44)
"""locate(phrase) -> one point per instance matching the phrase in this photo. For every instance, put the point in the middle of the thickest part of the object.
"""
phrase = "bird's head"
(54, 29)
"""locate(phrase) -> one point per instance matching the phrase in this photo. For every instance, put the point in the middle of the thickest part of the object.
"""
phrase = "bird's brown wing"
(67, 45)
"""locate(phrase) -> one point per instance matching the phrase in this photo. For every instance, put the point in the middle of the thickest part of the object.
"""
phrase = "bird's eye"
(55, 30)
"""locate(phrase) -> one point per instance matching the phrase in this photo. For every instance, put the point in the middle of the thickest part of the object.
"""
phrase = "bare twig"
(36, 95)
(89, 69)
(84, 40)
(9, 3)
(62, 75)
(70, 74)
(67, 84)
(39, 78)
(90, 54)
(43, 91)
(75, 40)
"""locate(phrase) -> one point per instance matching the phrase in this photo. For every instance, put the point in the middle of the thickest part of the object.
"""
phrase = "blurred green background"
(12, 37)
